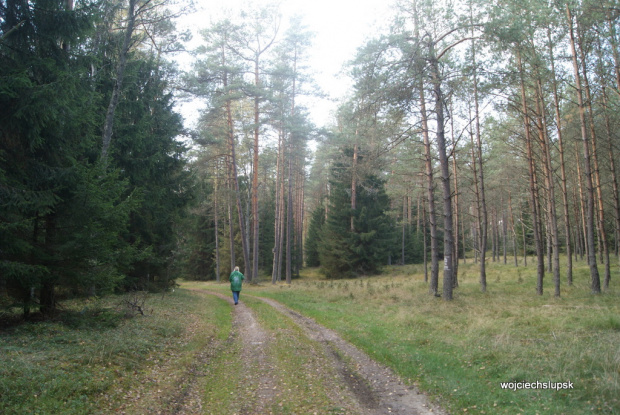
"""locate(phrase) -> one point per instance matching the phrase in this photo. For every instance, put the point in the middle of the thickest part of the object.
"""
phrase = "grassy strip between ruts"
(461, 351)
(94, 359)
(306, 379)
(303, 382)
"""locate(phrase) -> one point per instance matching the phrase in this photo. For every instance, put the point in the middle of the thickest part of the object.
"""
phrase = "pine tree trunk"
(354, 183)
(504, 233)
(215, 218)
(602, 233)
(409, 208)
(448, 239)
(403, 231)
(278, 207)
(289, 221)
(493, 234)
(434, 280)
(425, 248)
(464, 240)
(558, 122)
(540, 273)
(255, 218)
(550, 184)
(616, 56)
(282, 226)
(594, 275)
(475, 240)
(614, 178)
(478, 234)
(235, 176)
(231, 229)
(514, 232)
(596, 173)
(455, 263)
(482, 202)
(524, 238)
(418, 215)
(299, 208)
(583, 235)
(612, 159)
(289, 214)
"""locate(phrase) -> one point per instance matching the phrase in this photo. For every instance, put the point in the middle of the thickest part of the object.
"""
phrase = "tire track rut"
(259, 376)
(376, 388)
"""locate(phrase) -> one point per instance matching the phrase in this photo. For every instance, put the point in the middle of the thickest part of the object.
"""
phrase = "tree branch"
(14, 28)
(447, 48)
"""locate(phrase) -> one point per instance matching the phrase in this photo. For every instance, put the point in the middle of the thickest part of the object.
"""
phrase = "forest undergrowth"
(100, 356)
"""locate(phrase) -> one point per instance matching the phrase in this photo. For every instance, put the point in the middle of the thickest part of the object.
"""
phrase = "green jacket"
(236, 279)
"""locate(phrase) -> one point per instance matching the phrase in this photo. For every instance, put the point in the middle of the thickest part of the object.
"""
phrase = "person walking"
(236, 281)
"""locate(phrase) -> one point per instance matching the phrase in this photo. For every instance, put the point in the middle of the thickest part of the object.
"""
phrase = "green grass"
(93, 356)
(459, 352)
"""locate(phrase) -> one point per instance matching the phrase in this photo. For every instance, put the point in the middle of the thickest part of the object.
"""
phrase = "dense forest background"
(475, 131)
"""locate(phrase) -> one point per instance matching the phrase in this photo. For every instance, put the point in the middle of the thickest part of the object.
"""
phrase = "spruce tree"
(346, 252)
(374, 234)
(59, 216)
(150, 158)
(313, 240)
(335, 253)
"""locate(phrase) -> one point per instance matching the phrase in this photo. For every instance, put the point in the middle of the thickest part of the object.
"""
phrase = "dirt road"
(354, 383)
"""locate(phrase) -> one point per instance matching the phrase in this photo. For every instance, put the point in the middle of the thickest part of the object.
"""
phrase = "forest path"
(259, 377)
(350, 380)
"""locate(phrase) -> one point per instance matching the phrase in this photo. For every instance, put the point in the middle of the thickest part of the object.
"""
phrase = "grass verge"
(94, 359)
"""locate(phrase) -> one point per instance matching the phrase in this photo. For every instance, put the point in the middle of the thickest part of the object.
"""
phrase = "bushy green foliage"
(313, 240)
(349, 251)
(150, 158)
(59, 214)
(195, 255)
(67, 224)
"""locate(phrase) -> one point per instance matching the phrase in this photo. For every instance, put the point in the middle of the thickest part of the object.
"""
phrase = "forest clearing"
(187, 354)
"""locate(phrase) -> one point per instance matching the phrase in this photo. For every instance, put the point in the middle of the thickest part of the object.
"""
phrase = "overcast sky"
(340, 27)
